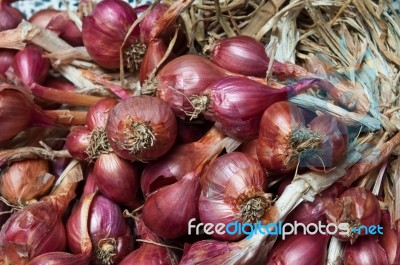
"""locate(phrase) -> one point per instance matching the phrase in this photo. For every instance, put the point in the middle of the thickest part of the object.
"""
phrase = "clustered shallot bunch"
(124, 178)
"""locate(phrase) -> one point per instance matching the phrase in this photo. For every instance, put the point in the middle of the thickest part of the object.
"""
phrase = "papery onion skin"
(117, 179)
(240, 54)
(34, 230)
(31, 66)
(10, 17)
(356, 206)
(43, 17)
(175, 165)
(26, 181)
(90, 184)
(105, 29)
(181, 197)
(365, 250)
(108, 231)
(6, 59)
(231, 181)
(300, 249)
(184, 77)
(77, 142)
(250, 148)
(273, 148)
(141, 128)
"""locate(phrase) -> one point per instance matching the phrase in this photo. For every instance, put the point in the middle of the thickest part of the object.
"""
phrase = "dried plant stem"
(335, 252)
(316, 104)
(64, 97)
(23, 153)
(68, 117)
(265, 13)
(375, 158)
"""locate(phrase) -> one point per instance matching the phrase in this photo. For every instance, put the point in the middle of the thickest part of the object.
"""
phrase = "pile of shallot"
(111, 171)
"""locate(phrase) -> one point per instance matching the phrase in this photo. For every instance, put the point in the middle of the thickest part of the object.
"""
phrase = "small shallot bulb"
(110, 235)
(30, 232)
(175, 165)
(247, 56)
(285, 142)
(17, 113)
(236, 104)
(141, 128)
(10, 17)
(357, 207)
(30, 65)
(98, 114)
(26, 181)
(104, 32)
(240, 54)
(300, 249)
(233, 191)
(66, 29)
(117, 179)
(43, 17)
(167, 211)
(181, 78)
(6, 59)
(78, 141)
(366, 250)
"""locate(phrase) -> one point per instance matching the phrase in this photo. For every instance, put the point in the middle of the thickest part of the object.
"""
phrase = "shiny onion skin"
(61, 258)
(105, 29)
(300, 249)
(240, 54)
(111, 237)
(43, 17)
(98, 114)
(141, 128)
(356, 206)
(117, 179)
(365, 250)
(18, 112)
(30, 65)
(389, 240)
(6, 59)
(26, 181)
(182, 78)
(62, 25)
(10, 17)
(154, 54)
(175, 165)
(30, 232)
(181, 197)
(285, 142)
(333, 148)
(247, 56)
(148, 253)
(236, 104)
(233, 191)
(77, 142)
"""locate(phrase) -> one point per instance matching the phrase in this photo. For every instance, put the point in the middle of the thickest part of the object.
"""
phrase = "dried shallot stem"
(375, 158)
(335, 252)
(68, 117)
(23, 153)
